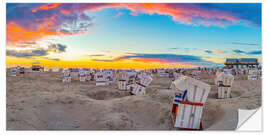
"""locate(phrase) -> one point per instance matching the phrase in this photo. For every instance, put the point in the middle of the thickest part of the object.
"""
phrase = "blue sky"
(143, 34)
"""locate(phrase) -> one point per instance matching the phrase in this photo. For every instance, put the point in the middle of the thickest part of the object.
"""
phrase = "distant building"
(241, 63)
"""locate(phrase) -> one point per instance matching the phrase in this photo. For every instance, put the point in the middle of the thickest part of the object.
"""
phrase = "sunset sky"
(132, 35)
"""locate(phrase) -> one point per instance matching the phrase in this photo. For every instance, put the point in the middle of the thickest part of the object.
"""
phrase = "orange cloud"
(46, 7)
(217, 50)
(65, 11)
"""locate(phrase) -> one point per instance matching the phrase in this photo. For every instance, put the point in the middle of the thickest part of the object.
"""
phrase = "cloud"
(107, 51)
(36, 62)
(239, 51)
(217, 50)
(208, 51)
(242, 43)
(118, 14)
(256, 52)
(57, 48)
(32, 21)
(104, 60)
(27, 54)
(160, 58)
(174, 48)
(96, 55)
(164, 58)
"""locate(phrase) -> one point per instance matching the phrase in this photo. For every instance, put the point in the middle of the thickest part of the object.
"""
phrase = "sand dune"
(41, 101)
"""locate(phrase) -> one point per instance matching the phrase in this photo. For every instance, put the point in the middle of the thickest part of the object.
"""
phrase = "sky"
(127, 35)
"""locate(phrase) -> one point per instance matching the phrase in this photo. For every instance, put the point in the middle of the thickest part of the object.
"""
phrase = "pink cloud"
(55, 19)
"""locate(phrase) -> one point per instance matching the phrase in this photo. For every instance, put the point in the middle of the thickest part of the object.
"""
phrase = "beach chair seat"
(187, 115)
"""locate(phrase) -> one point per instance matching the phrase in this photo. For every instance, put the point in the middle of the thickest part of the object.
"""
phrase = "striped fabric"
(188, 115)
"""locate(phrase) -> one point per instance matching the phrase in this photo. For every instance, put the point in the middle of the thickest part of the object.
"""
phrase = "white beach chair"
(140, 86)
(253, 74)
(13, 72)
(82, 75)
(122, 80)
(224, 83)
(161, 72)
(67, 77)
(101, 79)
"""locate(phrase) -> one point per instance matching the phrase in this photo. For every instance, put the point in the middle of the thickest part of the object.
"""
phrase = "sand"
(41, 101)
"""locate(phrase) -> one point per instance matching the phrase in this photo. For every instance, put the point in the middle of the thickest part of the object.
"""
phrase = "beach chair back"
(226, 79)
(197, 90)
(140, 86)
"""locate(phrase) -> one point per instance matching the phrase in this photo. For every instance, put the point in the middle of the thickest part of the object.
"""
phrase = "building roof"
(231, 60)
(248, 60)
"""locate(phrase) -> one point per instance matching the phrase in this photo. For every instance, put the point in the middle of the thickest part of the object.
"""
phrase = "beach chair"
(101, 79)
(140, 86)
(82, 75)
(161, 72)
(171, 75)
(67, 77)
(109, 76)
(66, 73)
(122, 80)
(21, 70)
(30, 70)
(13, 72)
(224, 83)
(187, 112)
(253, 74)
(131, 82)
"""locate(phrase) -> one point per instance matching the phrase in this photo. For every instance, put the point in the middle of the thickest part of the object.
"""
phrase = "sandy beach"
(41, 101)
